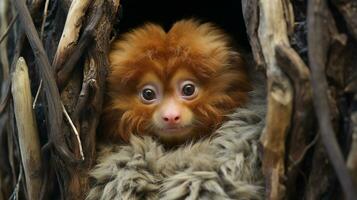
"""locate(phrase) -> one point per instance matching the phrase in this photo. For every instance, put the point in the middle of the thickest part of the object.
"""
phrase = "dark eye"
(148, 94)
(188, 89)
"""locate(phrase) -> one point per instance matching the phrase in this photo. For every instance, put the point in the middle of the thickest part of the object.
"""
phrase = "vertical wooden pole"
(27, 129)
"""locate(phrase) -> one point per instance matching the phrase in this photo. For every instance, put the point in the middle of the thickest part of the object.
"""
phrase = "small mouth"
(171, 130)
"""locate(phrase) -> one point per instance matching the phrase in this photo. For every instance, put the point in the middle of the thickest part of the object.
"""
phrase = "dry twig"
(271, 33)
(303, 117)
(29, 142)
(318, 34)
(12, 22)
(85, 41)
(44, 19)
(74, 131)
(70, 32)
(51, 91)
(37, 94)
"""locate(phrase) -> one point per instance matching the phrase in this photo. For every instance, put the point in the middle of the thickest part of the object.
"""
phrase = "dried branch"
(89, 88)
(82, 100)
(303, 117)
(74, 130)
(6, 32)
(19, 43)
(318, 41)
(296, 162)
(251, 18)
(6, 87)
(44, 19)
(41, 37)
(271, 33)
(85, 41)
(37, 94)
(5, 99)
(7, 112)
(51, 91)
(27, 129)
(70, 32)
(85, 109)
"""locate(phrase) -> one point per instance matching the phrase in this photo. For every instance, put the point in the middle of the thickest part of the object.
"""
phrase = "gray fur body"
(224, 167)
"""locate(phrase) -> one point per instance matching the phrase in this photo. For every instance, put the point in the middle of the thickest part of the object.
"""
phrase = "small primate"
(177, 86)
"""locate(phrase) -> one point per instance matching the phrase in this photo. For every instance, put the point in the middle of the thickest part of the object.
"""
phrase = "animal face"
(178, 85)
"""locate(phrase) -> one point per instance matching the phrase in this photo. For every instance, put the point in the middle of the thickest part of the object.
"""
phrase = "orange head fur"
(199, 53)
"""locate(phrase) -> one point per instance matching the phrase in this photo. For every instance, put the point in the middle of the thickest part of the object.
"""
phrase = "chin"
(175, 135)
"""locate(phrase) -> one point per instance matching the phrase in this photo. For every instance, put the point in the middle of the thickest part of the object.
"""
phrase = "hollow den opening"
(226, 14)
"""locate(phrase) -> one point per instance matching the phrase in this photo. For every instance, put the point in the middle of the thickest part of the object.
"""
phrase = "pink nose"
(171, 118)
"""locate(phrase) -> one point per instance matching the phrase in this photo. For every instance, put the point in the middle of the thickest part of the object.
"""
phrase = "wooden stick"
(303, 117)
(47, 75)
(6, 32)
(251, 19)
(4, 28)
(70, 32)
(273, 31)
(318, 43)
(45, 11)
(85, 41)
(44, 19)
(74, 131)
(37, 94)
(6, 87)
(27, 129)
(86, 115)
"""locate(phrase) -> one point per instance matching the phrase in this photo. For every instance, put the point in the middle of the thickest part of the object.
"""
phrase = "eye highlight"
(148, 94)
(188, 90)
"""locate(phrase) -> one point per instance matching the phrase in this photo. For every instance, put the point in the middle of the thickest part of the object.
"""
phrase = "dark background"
(226, 14)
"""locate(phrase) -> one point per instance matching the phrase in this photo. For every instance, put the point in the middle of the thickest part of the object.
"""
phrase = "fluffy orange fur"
(200, 51)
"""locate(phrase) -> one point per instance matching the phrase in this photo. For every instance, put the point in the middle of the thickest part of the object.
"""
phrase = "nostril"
(171, 119)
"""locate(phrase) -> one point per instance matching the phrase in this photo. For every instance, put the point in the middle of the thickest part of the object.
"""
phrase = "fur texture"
(200, 50)
(225, 167)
